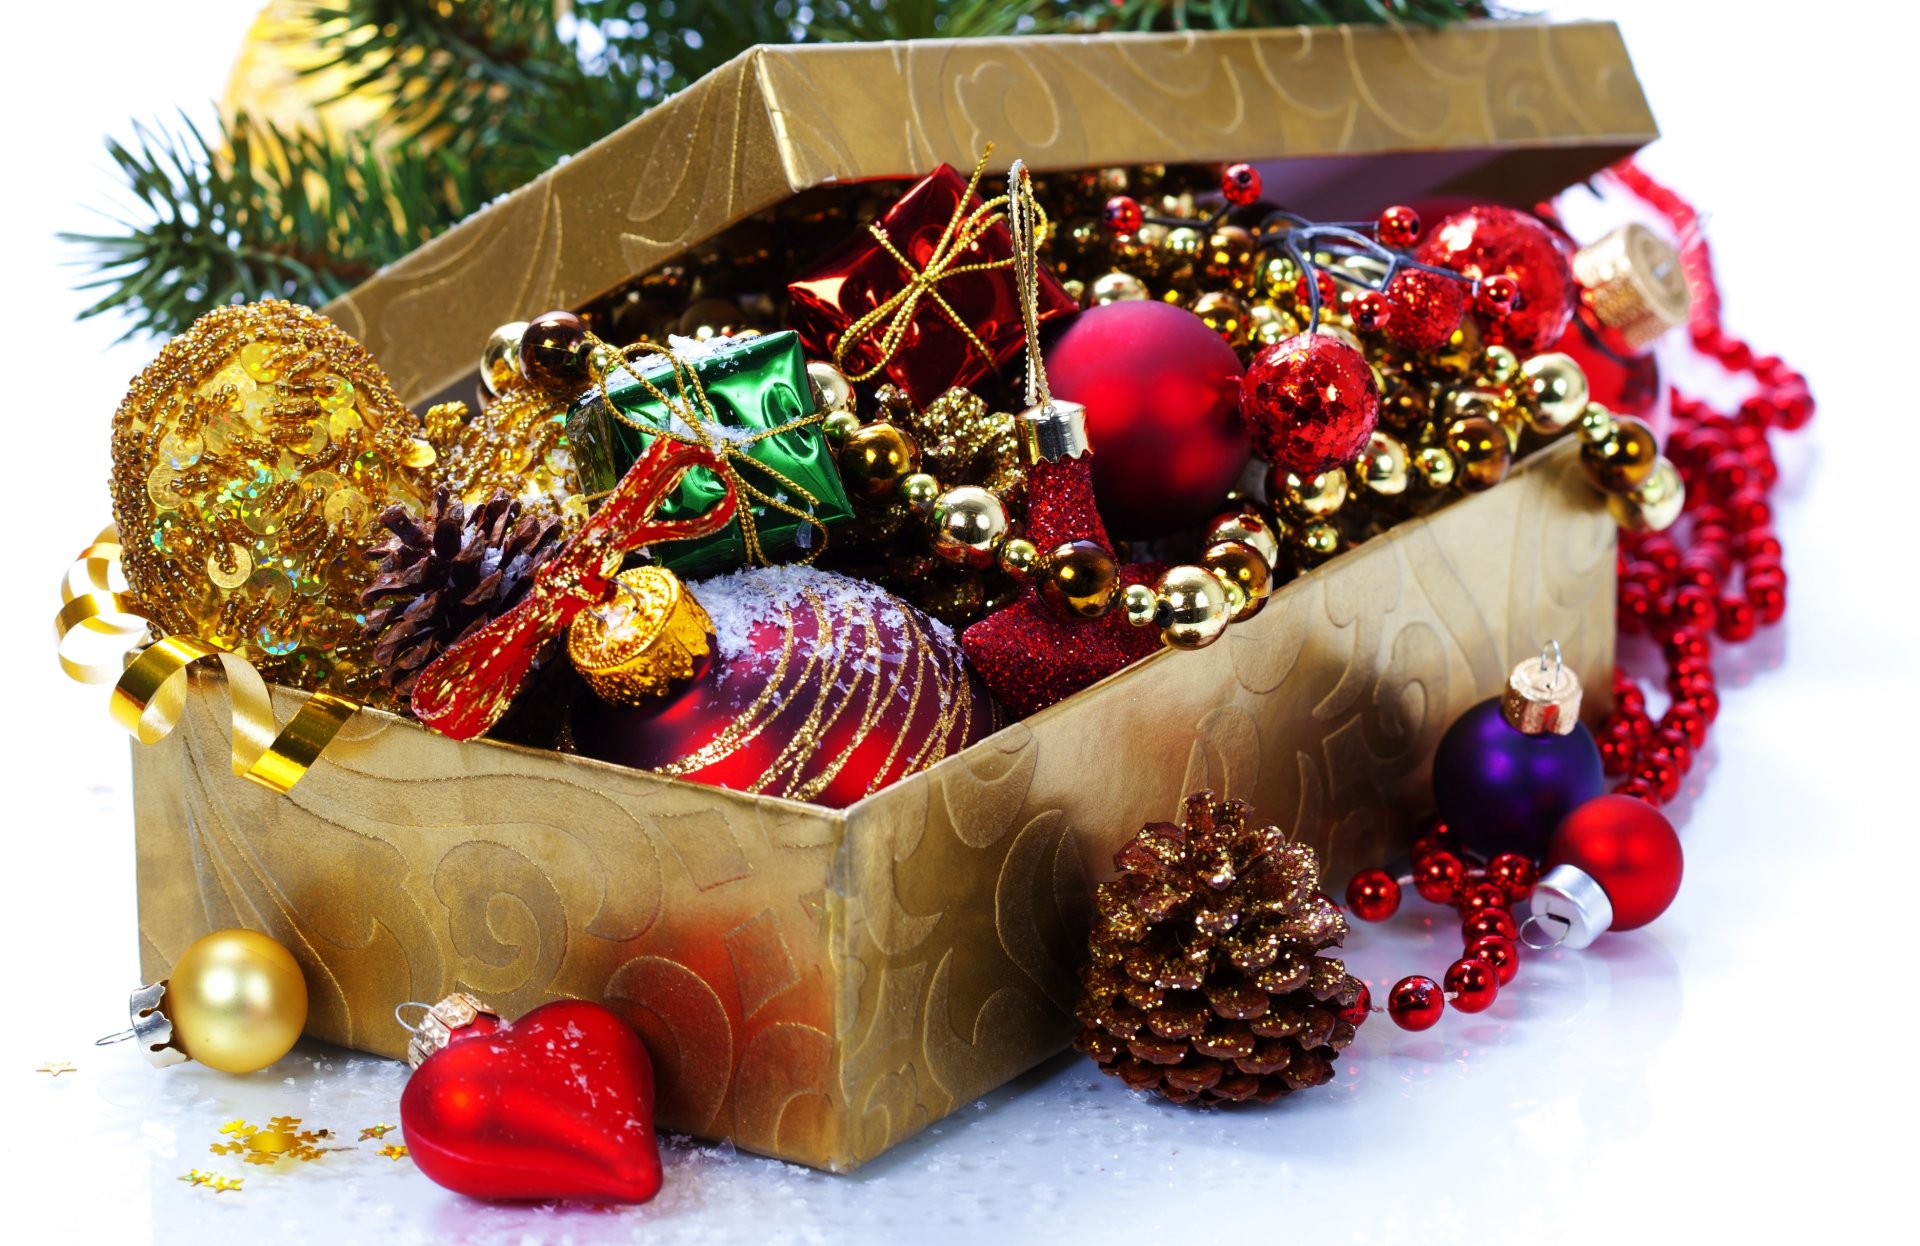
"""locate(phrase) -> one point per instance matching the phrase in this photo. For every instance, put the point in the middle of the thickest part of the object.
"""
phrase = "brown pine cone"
(447, 576)
(1204, 981)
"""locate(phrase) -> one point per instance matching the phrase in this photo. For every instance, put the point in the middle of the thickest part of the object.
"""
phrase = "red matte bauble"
(1629, 848)
(1487, 241)
(1162, 394)
(1309, 403)
(556, 1105)
(823, 689)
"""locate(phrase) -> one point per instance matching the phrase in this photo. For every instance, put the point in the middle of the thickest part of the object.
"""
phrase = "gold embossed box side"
(1537, 105)
(963, 893)
(407, 865)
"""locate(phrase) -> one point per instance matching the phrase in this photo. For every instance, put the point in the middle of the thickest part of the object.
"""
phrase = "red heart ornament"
(556, 1105)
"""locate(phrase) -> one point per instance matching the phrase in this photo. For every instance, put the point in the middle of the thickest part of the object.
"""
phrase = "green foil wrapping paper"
(753, 384)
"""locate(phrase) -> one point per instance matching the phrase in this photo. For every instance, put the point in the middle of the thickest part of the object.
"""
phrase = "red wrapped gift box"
(939, 239)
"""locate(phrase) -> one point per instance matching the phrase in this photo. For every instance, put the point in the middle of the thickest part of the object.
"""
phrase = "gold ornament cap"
(456, 1012)
(648, 637)
(1543, 695)
(1054, 429)
(1633, 281)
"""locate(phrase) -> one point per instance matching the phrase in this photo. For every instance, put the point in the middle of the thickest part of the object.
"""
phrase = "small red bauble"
(1359, 1009)
(1500, 953)
(556, 1105)
(1373, 895)
(1368, 311)
(1627, 847)
(1415, 1003)
(1488, 241)
(1323, 281)
(1122, 215)
(1438, 877)
(1489, 922)
(1498, 298)
(1162, 394)
(1398, 227)
(1240, 184)
(1310, 403)
(1425, 309)
(1472, 984)
(1514, 872)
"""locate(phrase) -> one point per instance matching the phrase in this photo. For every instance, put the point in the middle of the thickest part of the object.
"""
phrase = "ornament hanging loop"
(1552, 648)
(1051, 429)
(1551, 939)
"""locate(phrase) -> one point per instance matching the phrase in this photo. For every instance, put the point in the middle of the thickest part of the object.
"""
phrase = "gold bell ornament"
(234, 1001)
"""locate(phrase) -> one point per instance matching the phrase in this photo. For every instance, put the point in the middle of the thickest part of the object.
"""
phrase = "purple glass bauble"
(1500, 790)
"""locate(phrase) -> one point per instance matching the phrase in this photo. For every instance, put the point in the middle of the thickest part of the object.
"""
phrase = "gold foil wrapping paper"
(819, 985)
(1524, 107)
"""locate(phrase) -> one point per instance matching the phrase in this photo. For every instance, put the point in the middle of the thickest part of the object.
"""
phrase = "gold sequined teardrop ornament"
(649, 638)
(249, 460)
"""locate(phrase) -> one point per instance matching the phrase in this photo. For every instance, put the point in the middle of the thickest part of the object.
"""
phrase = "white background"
(1743, 1067)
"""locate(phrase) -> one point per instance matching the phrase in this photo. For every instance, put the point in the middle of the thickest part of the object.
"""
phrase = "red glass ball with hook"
(1628, 848)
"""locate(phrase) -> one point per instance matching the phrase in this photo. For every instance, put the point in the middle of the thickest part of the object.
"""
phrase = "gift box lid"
(1527, 106)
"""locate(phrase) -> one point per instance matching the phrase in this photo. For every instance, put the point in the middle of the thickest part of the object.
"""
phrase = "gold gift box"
(817, 984)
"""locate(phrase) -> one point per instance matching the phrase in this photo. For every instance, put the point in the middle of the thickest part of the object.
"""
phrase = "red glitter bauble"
(1162, 394)
(1486, 241)
(1240, 184)
(556, 1105)
(1309, 403)
(1629, 848)
(1424, 309)
(823, 689)
(1122, 215)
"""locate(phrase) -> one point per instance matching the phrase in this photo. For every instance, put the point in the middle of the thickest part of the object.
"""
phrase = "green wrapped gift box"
(762, 420)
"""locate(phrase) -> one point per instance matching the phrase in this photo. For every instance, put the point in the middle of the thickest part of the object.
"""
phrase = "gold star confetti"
(196, 1176)
(281, 1139)
(56, 1067)
(394, 1151)
(213, 1181)
(376, 1132)
(220, 1185)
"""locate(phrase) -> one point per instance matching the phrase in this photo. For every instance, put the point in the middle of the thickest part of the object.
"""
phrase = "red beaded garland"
(1415, 1003)
(1438, 877)
(1240, 184)
(1514, 872)
(1499, 952)
(1489, 922)
(1483, 896)
(1356, 1012)
(1373, 895)
(1398, 227)
(1472, 984)
(1123, 215)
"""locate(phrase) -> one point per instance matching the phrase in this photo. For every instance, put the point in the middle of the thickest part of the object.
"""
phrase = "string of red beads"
(1718, 575)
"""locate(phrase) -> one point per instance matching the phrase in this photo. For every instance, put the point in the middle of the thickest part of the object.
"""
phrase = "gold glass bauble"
(1482, 451)
(1228, 256)
(1317, 541)
(1139, 603)
(1191, 607)
(919, 490)
(1316, 497)
(1019, 558)
(1655, 505)
(1226, 314)
(1244, 525)
(1248, 576)
(1436, 466)
(1405, 404)
(1625, 460)
(264, 431)
(500, 357)
(1554, 392)
(1115, 287)
(832, 391)
(874, 460)
(1277, 277)
(1500, 367)
(1080, 580)
(237, 1001)
(1383, 465)
(840, 425)
(968, 525)
(1594, 426)
(1270, 324)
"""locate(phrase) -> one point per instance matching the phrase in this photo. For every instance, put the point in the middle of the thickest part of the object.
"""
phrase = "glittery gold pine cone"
(1205, 979)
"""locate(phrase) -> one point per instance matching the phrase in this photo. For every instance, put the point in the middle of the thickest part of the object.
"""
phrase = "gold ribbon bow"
(962, 232)
(693, 409)
(150, 692)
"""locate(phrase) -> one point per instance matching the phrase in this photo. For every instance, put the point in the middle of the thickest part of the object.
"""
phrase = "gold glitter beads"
(650, 638)
(250, 460)
(1191, 607)
(1481, 451)
(1080, 580)
(968, 525)
(874, 460)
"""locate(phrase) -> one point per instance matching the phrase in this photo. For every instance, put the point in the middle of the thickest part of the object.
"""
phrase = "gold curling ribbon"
(701, 423)
(965, 229)
(150, 692)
